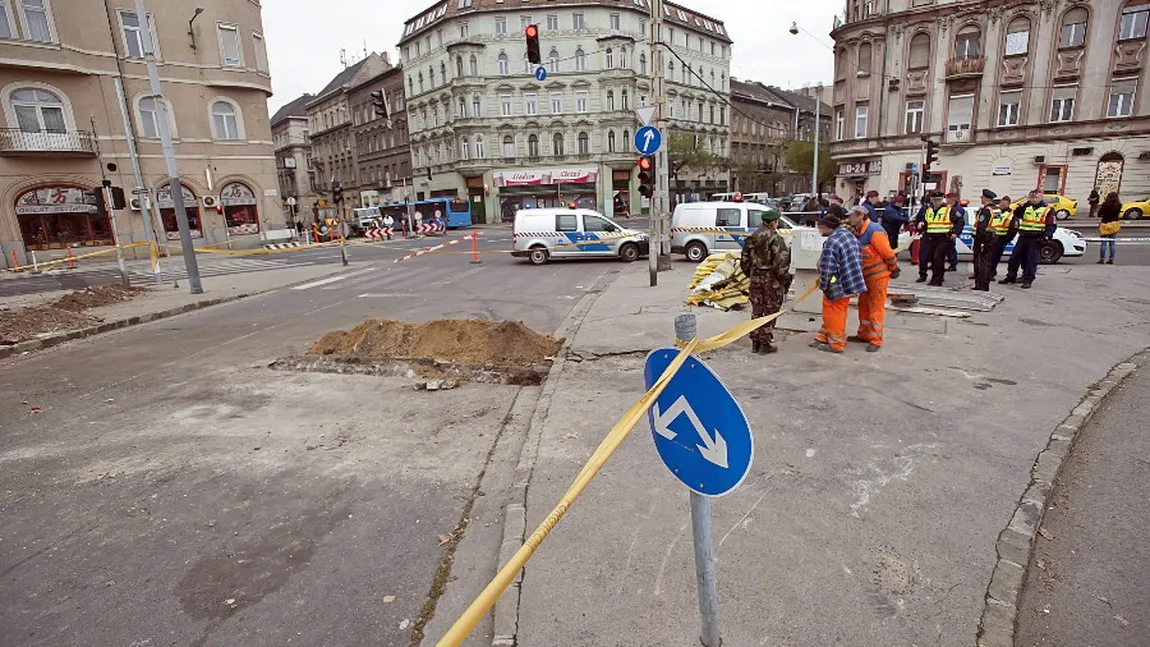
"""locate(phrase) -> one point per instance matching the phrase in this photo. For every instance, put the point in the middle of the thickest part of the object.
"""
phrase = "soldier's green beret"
(770, 215)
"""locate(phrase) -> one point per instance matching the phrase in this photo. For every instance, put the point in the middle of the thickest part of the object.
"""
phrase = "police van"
(542, 234)
(702, 228)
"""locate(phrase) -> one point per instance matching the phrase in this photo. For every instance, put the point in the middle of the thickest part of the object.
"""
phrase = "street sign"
(540, 73)
(700, 431)
(645, 114)
(648, 140)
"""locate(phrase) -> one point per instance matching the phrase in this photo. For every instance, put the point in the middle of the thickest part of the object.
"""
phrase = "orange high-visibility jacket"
(878, 258)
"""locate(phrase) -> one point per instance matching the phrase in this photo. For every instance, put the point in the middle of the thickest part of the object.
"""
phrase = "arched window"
(149, 118)
(712, 79)
(642, 63)
(580, 60)
(473, 65)
(443, 71)
(1073, 29)
(421, 81)
(533, 145)
(841, 63)
(610, 141)
(624, 103)
(462, 107)
(919, 58)
(968, 43)
(671, 70)
(584, 144)
(410, 85)
(508, 146)
(610, 58)
(225, 120)
(553, 61)
(431, 76)
(458, 66)
(1017, 37)
(464, 149)
(479, 147)
(864, 59)
(557, 144)
(626, 136)
(503, 64)
(623, 58)
(610, 99)
(38, 111)
(526, 64)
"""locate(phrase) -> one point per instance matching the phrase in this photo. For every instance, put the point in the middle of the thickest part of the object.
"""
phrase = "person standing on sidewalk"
(1093, 200)
(840, 278)
(388, 225)
(1005, 228)
(957, 207)
(1111, 214)
(879, 266)
(942, 229)
(984, 241)
(893, 219)
(868, 205)
(1035, 223)
(925, 253)
(767, 263)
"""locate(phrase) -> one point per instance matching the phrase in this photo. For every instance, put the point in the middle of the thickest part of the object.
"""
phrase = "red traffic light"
(644, 164)
(532, 31)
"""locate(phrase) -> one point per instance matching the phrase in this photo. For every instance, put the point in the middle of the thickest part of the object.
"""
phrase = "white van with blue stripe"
(699, 229)
(542, 234)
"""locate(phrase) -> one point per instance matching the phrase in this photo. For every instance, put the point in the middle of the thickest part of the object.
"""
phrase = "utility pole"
(661, 197)
(815, 166)
(146, 196)
(189, 251)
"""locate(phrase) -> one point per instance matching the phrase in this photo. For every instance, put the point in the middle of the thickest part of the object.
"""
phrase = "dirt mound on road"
(461, 341)
(96, 297)
(63, 314)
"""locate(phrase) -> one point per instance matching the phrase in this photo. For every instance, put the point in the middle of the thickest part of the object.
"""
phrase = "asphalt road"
(1087, 583)
(161, 486)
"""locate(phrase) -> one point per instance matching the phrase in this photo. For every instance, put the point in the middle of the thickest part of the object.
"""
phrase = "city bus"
(454, 211)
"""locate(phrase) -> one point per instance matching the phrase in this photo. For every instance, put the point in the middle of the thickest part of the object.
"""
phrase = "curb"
(506, 610)
(999, 621)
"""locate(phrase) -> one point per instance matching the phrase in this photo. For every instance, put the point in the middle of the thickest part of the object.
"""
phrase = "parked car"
(728, 222)
(1137, 209)
(542, 234)
(1063, 206)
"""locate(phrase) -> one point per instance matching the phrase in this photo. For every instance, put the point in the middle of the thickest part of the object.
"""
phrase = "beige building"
(292, 143)
(62, 67)
(1049, 94)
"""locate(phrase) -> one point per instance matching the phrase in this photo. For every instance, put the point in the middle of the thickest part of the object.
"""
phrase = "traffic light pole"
(660, 197)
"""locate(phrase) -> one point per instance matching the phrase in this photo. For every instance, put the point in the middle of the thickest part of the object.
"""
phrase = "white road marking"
(386, 295)
(332, 279)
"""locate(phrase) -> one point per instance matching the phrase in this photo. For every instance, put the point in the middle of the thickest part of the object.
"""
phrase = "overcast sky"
(304, 40)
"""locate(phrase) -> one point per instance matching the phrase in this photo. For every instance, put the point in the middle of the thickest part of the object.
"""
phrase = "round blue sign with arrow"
(540, 73)
(700, 431)
(648, 140)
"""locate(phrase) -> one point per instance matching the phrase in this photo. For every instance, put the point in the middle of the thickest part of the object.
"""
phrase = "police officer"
(941, 228)
(1035, 223)
(1004, 226)
(767, 262)
(983, 241)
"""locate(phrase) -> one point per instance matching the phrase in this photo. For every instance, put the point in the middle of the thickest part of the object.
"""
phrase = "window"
(577, 20)
(624, 103)
(1121, 102)
(464, 149)
(643, 64)
(421, 81)
(841, 64)
(462, 107)
(610, 99)
(36, 21)
(224, 121)
(1073, 29)
(463, 4)
(501, 26)
(919, 52)
(1009, 105)
(860, 121)
(261, 52)
(552, 22)
(584, 144)
(1134, 19)
(523, 22)
(553, 61)
(966, 44)
(626, 137)
(508, 146)
(431, 76)
(1052, 179)
(479, 147)
(580, 102)
(622, 58)
(503, 65)
(700, 113)
(5, 20)
(230, 46)
(435, 115)
(530, 105)
(533, 146)
(728, 218)
(38, 111)
(959, 117)
(476, 106)
(610, 141)
(458, 66)
(1062, 104)
(557, 144)
(505, 105)
(149, 118)
(610, 59)
(597, 224)
(712, 114)
(556, 103)
(464, 30)
(565, 222)
(1018, 37)
(133, 38)
(615, 21)
(443, 71)
(580, 60)
(914, 115)
(865, 55)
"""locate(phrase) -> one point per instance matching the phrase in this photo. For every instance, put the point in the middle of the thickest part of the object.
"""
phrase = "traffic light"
(336, 192)
(646, 175)
(532, 33)
(379, 103)
(931, 156)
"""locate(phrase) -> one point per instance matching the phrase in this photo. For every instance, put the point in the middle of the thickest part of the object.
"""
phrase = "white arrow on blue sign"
(648, 140)
(540, 73)
(700, 431)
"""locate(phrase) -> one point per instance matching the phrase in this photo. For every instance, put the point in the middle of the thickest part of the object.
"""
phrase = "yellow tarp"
(719, 283)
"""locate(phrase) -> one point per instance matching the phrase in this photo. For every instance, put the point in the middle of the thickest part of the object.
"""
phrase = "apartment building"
(383, 156)
(484, 128)
(1020, 95)
(292, 142)
(74, 89)
(766, 120)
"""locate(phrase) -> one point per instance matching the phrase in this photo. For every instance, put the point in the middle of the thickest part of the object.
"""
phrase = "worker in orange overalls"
(879, 266)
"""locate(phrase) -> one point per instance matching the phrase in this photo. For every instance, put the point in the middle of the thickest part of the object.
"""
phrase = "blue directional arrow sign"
(700, 431)
(540, 73)
(648, 140)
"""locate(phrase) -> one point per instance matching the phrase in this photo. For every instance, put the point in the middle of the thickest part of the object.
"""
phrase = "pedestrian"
(894, 217)
(766, 261)
(840, 278)
(984, 241)
(942, 227)
(956, 207)
(1035, 224)
(879, 266)
(1005, 228)
(868, 204)
(1110, 213)
(388, 225)
(1093, 200)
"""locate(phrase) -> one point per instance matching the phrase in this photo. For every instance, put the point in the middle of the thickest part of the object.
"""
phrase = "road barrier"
(70, 259)
(1119, 241)
(438, 247)
(464, 625)
(379, 233)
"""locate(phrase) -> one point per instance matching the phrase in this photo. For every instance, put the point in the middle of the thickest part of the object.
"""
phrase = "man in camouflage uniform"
(767, 262)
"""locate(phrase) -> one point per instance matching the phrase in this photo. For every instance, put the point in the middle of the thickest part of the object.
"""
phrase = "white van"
(367, 217)
(542, 234)
(700, 228)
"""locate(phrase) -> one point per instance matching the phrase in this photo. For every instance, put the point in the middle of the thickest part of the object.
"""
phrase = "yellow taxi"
(1137, 209)
(1063, 206)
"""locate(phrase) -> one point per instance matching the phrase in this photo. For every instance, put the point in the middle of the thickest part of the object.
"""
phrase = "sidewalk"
(880, 485)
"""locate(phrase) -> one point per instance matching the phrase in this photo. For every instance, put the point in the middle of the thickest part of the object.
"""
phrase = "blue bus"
(456, 212)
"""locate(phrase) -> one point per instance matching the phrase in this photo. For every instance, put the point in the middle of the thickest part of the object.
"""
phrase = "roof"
(800, 101)
(759, 92)
(344, 77)
(294, 108)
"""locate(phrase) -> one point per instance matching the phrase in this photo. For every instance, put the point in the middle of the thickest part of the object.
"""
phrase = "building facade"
(383, 156)
(292, 142)
(74, 89)
(766, 121)
(486, 129)
(1019, 94)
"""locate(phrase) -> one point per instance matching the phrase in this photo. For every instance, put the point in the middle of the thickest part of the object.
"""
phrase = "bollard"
(474, 249)
(15, 263)
(71, 263)
(342, 250)
(35, 266)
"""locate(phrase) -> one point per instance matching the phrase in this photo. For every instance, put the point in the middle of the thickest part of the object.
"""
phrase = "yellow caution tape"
(67, 259)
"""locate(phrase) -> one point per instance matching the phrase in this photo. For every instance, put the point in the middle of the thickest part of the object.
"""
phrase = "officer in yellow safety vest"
(942, 226)
(1004, 226)
(1035, 224)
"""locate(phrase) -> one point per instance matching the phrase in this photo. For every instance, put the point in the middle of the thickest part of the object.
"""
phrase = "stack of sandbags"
(719, 282)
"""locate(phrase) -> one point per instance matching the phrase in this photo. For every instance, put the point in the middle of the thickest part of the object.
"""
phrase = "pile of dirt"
(63, 314)
(460, 341)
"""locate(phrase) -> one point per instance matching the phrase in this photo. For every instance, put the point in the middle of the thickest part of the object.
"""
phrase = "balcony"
(965, 68)
(16, 142)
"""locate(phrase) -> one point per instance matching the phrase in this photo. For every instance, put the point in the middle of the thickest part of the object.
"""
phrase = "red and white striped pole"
(474, 249)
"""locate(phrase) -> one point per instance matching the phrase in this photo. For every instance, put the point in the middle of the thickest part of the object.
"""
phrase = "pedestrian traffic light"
(931, 155)
(336, 192)
(379, 103)
(646, 175)
(532, 33)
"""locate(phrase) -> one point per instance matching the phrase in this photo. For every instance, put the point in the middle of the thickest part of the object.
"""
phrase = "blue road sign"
(540, 73)
(648, 140)
(700, 431)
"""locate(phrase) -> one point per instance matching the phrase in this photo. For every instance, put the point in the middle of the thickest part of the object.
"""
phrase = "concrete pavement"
(880, 485)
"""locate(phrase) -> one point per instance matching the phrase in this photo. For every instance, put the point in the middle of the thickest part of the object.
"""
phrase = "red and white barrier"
(430, 228)
(437, 247)
(379, 233)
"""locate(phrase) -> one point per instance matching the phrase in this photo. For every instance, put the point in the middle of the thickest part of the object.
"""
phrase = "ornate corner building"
(483, 127)
(1020, 95)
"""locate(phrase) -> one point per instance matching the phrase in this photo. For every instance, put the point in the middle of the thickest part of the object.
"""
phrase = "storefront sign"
(1001, 169)
(236, 195)
(574, 176)
(856, 169)
(54, 199)
(164, 198)
(546, 176)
